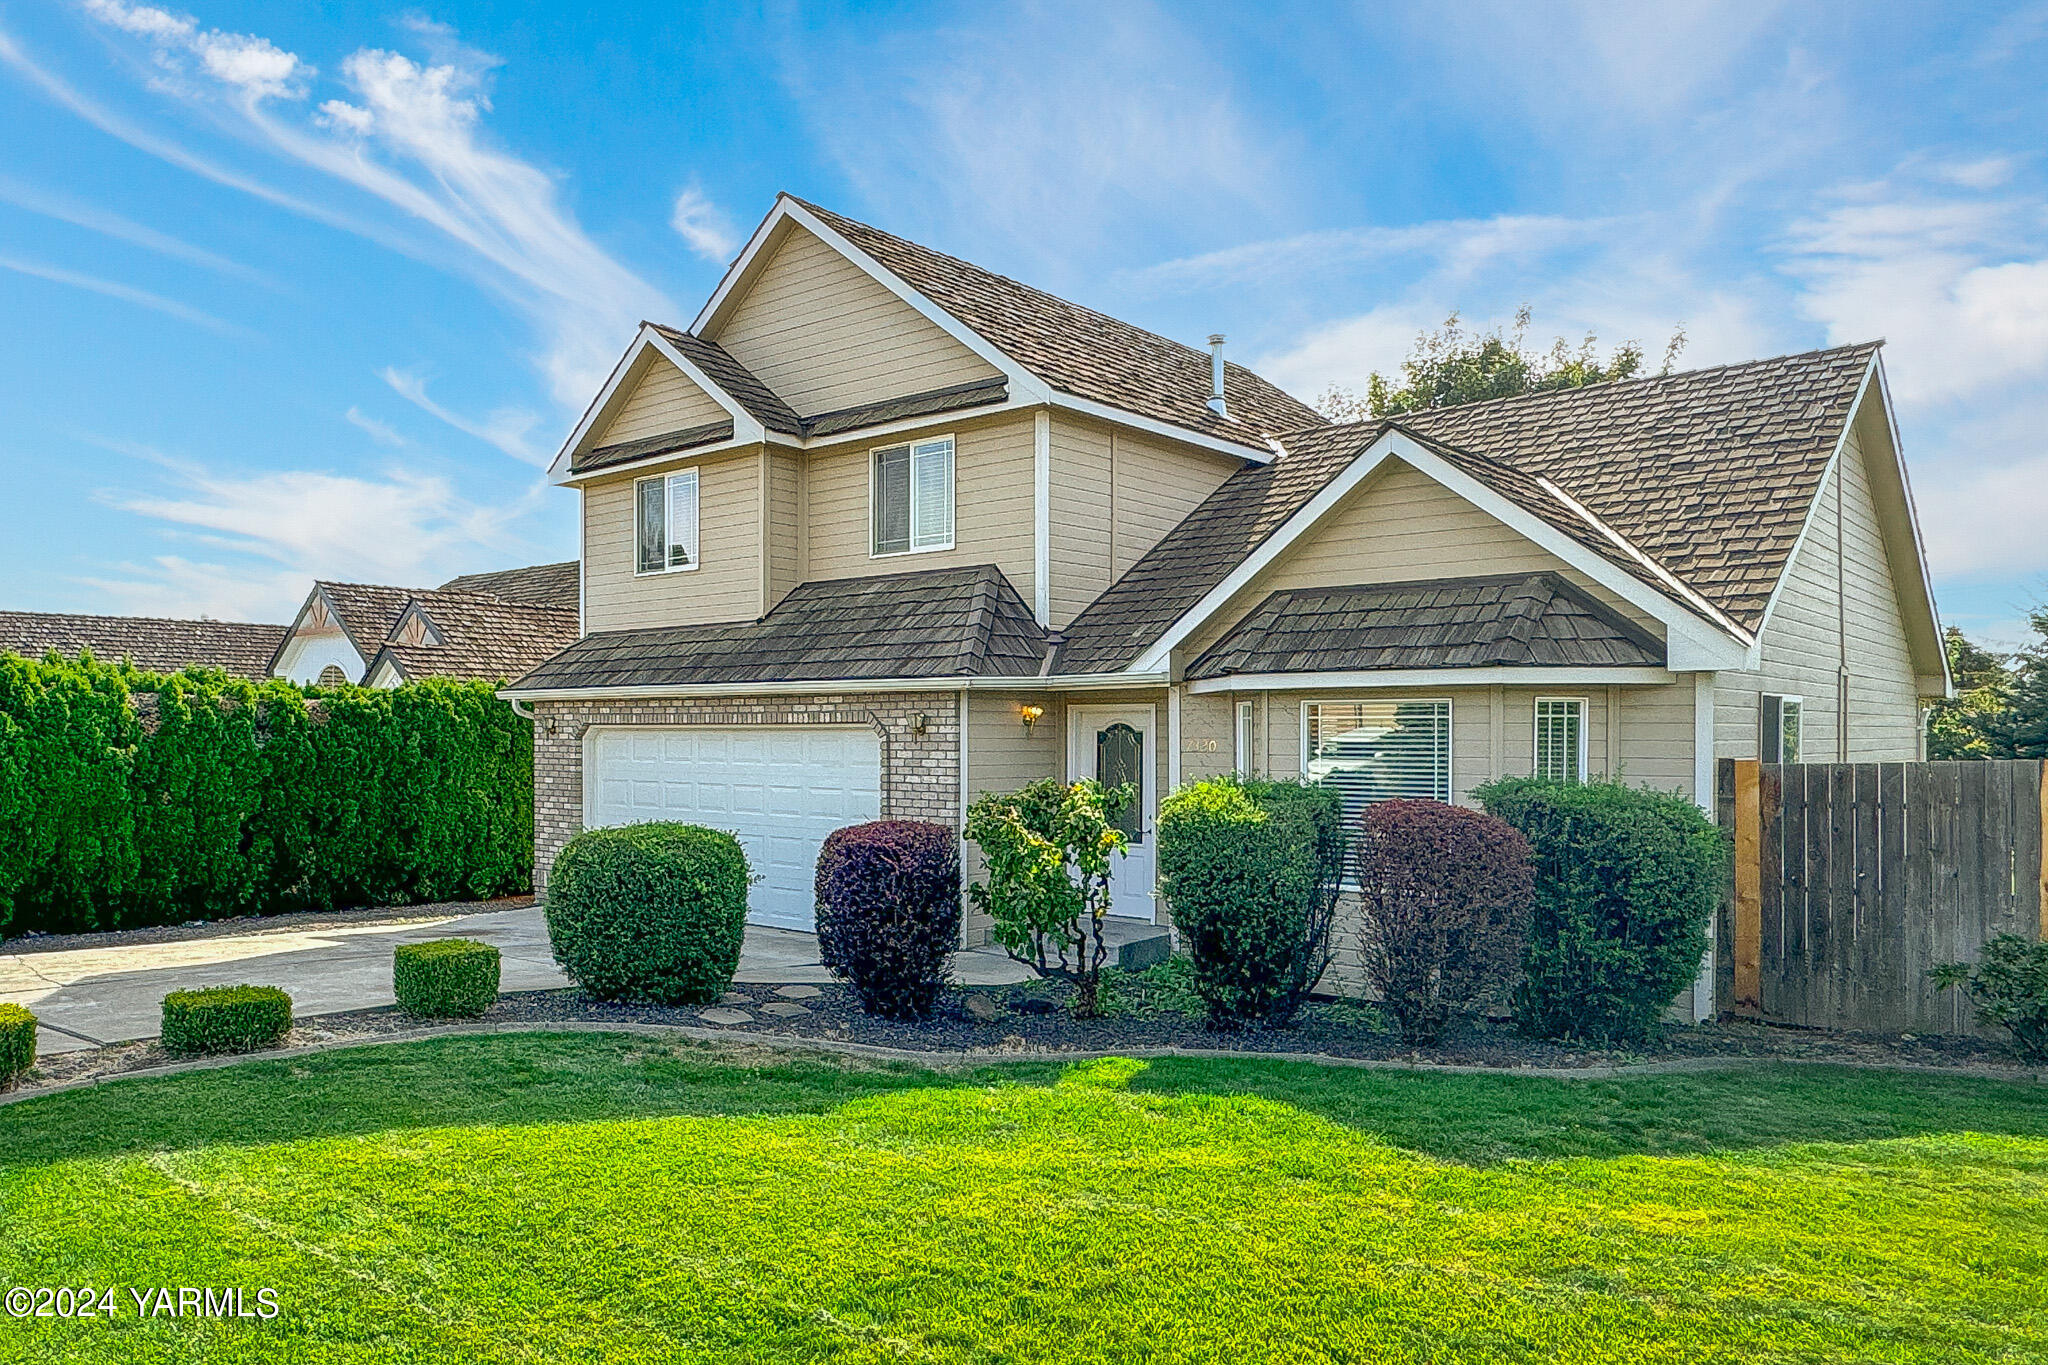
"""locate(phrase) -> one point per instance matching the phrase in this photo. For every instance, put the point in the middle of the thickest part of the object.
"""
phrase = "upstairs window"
(665, 523)
(1779, 740)
(910, 491)
(1561, 738)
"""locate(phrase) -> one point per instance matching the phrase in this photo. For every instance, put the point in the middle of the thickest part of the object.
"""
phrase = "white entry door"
(1114, 745)
(781, 789)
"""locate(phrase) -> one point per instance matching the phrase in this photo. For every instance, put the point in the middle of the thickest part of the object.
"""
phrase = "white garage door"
(781, 789)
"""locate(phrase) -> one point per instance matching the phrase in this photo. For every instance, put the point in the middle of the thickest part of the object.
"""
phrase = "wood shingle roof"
(156, 644)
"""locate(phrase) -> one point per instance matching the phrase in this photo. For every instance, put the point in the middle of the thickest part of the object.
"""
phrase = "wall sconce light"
(1031, 713)
(552, 726)
(919, 722)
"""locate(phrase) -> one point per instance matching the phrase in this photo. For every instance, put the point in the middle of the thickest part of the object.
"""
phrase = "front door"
(1114, 745)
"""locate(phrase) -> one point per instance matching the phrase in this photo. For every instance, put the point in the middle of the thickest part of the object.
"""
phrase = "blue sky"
(314, 290)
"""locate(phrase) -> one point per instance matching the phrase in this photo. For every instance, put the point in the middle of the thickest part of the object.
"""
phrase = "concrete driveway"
(88, 996)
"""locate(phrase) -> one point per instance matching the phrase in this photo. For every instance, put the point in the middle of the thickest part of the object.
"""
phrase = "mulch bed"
(1031, 1020)
(259, 924)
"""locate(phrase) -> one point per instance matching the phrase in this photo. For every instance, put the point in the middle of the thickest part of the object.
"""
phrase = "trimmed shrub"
(889, 912)
(652, 912)
(17, 1043)
(225, 1019)
(445, 978)
(1626, 882)
(2009, 988)
(1250, 870)
(1445, 893)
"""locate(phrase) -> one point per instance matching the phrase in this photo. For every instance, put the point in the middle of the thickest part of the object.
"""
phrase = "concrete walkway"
(89, 996)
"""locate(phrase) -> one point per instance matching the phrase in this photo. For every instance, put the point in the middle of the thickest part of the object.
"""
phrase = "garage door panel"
(780, 790)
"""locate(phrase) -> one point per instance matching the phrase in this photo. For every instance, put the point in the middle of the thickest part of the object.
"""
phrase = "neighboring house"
(161, 646)
(882, 531)
(489, 626)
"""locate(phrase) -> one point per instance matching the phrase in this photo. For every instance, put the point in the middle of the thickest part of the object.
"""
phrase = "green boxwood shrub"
(1626, 883)
(225, 1019)
(652, 912)
(129, 798)
(445, 978)
(1251, 871)
(17, 1043)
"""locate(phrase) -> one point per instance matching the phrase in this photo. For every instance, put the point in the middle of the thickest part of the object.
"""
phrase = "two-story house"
(881, 531)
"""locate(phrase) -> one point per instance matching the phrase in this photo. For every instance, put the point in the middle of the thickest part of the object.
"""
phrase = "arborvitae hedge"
(128, 798)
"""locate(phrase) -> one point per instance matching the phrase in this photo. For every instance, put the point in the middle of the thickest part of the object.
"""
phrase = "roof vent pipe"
(1216, 404)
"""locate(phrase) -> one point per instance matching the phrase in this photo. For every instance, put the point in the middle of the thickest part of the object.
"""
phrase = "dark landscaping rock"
(982, 1008)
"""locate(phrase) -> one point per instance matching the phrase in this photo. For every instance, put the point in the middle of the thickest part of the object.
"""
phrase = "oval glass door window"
(1120, 761)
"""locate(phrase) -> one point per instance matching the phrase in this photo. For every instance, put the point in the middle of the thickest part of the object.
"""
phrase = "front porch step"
(1135, 945)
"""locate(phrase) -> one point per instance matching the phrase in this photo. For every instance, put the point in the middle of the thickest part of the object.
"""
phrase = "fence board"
(1863, 876)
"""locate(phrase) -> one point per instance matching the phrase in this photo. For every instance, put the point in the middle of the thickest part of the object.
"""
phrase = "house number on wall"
(1198, 746)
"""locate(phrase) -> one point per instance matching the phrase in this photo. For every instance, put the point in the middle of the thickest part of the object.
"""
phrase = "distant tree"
(1978, 721)
(1453, 365)
(2027, 720)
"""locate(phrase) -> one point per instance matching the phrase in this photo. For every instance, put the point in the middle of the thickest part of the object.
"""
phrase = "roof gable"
(824, 335)
(655, 398)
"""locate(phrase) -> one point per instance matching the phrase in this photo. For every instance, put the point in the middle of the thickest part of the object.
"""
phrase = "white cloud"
(506, 428)
(174, 586)
(113, 289)
(383, 433)
(144, 20)
(1460, 248)
(704, 226)
(65, 209)
(412, 136)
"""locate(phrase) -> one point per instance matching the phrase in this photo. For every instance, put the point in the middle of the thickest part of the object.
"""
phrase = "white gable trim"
(1261, 453)
(1382, 678)
(337, 648)
(745, 429)
(1691, 643)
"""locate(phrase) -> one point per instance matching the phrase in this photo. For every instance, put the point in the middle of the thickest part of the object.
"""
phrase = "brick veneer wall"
(920, 772)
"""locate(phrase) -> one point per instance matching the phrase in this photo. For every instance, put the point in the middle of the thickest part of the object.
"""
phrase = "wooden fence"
(1852, 879)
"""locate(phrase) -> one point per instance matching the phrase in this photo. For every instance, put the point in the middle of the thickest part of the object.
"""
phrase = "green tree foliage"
(1977, 722)
(2026, 720)
(1454, 365)
(128, 798)
(1049, 849)
(2009, 988)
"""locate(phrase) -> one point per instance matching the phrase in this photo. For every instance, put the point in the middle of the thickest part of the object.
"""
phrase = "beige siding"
(728, 585)
(786, 549)
(1002, 757)
(1398, 526)
(824, 335)
(1840, 577)
(1154, 484)
(991, 506)
(662, 400)
(1080, 517)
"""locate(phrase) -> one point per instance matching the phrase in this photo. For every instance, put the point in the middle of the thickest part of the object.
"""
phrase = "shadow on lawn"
(569, 1078)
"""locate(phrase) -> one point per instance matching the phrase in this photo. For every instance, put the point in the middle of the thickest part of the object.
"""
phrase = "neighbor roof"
(539, 585)
(1513, 621)
(153, 643)
(366, 612)
(1679, 465)
(1078, 350)
(482, 637)
(966, 622)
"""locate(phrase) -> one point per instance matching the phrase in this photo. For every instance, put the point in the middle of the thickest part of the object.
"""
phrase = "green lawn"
(601, 1198)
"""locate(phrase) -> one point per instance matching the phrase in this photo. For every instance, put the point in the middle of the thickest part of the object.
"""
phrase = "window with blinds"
(1377, 750)
(911, 495)
(665, 523)
(1561, 738)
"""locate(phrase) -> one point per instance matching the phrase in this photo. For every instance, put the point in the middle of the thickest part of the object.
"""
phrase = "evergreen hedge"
(129, 798)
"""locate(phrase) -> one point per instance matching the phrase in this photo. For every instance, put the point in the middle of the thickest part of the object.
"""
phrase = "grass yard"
(603, 1198)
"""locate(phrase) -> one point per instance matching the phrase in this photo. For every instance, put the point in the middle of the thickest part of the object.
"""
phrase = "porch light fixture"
(919, 723)
(1031, 713)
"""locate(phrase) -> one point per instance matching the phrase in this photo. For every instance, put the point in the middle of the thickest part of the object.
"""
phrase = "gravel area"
(259, 924)
(1031, 1019)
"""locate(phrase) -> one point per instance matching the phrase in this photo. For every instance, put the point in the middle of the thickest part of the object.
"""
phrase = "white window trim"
(952, 496)
(1585, 706)
(1798, 700)
(1450, 732)
(667, 518)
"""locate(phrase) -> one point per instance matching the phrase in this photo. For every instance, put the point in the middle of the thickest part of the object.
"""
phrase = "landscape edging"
(954, 1061)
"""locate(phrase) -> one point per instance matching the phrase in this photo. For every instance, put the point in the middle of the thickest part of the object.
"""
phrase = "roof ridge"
(1605, 386)
(155, 620)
